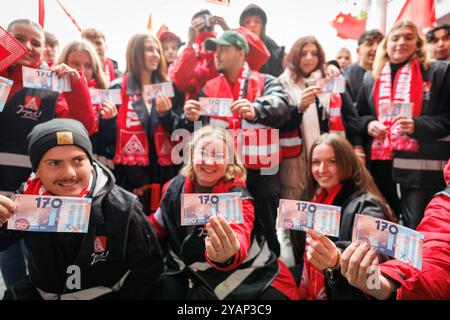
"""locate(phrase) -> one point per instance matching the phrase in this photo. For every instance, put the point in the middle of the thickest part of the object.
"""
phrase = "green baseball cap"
(228, 38)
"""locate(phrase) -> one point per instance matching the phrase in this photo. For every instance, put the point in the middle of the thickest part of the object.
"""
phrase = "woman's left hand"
(406, 124)
(321, 251)
(163, 104)
(108, 110)
(221, 243)
(63, 69)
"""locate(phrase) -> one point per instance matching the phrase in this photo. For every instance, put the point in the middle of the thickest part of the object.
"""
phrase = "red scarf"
(34, 186)
(132, 145)
(408, 88)
(108, 68)
(312, 285)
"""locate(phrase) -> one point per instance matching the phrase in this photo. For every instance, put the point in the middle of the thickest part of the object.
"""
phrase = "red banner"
(41, 13)
(421, 12)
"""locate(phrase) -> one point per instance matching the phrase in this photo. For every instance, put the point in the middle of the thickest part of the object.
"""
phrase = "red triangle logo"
(32, 103)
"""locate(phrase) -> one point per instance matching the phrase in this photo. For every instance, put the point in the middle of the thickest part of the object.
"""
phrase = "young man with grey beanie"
(119, 256)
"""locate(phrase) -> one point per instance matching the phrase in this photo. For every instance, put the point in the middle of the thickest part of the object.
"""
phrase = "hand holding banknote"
(7, 208)
(163, 104)
(321, 251)
(108, 110)
(359, 264)
(221, 243)
(63, 69)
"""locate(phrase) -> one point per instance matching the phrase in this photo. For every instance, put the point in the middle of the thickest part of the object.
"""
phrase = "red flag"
(41, 13)
(70, 17)
(162, 30)
(11, 50)
(149, 22)
(421, 12)
(348, 26)
(222, 2)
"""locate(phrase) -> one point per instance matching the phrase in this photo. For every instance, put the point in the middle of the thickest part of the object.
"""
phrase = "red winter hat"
(258, 53)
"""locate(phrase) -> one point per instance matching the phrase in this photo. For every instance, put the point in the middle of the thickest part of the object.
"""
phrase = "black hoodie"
(274, 65)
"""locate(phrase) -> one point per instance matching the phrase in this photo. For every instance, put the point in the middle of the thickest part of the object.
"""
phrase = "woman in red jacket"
(218, 260)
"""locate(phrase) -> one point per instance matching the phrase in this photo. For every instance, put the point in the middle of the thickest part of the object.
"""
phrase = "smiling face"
(32, 39)
(65, 171)
(81, 61)
(309, 59)
(209, 157)
(401, 44)
(324, 167)
(152, 55)
(366, 52)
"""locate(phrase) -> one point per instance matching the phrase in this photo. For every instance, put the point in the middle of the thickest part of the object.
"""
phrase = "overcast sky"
(120, 19)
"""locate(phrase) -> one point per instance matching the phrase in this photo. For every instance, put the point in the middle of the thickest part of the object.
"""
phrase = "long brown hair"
(349, 168)
(295, 54)
(135, 57)
(382, 56)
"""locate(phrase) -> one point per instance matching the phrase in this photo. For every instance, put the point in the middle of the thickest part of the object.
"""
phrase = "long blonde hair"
(382, 56)
(235, 168)
(97, 66)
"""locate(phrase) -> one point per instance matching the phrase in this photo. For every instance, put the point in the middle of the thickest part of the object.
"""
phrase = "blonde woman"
(402, 74)
(203, 260)
(81, 55)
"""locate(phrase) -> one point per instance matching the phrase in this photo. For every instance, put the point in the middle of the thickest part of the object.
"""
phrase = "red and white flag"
(421, 12)
(11, 50)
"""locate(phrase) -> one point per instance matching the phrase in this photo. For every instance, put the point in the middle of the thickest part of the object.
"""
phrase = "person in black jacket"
(402, 74)
(254, 19)
(118, 257)
(335, 177)
(258, 107)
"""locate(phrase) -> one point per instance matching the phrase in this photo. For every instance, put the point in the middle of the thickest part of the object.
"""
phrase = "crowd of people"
(283, 138)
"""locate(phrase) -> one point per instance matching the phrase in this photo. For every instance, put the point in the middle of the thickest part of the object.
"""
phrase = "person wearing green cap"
(259, 105)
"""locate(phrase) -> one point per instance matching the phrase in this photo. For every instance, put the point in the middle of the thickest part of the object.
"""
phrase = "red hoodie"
(433, 281)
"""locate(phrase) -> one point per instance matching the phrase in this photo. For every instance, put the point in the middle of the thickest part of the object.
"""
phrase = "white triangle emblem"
(32, 104)
(134, 146)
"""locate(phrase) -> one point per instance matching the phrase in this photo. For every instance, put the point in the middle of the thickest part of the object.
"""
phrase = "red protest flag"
(11, 50)
(149, 22)
(348, 26)
(421, 12)
(222, 2)
(41, 13)
(70, 17)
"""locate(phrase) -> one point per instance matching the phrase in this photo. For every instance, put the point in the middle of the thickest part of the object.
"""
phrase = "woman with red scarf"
(336, 177)
(144, 126)
(405, 120)
(81, 55)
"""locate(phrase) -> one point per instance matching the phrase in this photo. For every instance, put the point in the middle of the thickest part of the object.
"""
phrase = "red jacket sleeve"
(433, 281)
(182, 70)
(77, 105)
(243, 233)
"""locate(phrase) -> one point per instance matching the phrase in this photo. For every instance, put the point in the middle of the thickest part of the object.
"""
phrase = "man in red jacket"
(195, 65)
(399, 280)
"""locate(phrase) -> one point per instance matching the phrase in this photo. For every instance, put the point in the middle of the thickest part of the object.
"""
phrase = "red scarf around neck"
(312, 285)
(132, 145)
(34, 186)
(408, 88)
